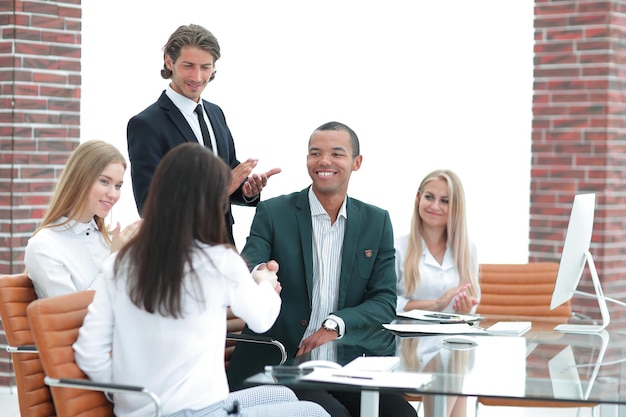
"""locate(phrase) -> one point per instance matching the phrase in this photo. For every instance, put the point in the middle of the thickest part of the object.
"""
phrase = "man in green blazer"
(335, 260)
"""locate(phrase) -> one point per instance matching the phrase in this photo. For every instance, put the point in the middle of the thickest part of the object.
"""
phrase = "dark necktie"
(206, 137)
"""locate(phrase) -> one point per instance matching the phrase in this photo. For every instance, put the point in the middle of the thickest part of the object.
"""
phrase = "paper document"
(437, 316)
(373, 363)
(406, 380)
(452, 328)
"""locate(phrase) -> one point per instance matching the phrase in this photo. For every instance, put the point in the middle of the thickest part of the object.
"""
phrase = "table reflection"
(541, 365)
(433, 355)
(370, 341)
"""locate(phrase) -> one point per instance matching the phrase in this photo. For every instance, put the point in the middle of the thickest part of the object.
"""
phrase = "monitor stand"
(563, 369)
(596, 369)
(599, 295)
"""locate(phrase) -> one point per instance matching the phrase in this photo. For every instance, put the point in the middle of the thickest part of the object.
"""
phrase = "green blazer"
(282, 230)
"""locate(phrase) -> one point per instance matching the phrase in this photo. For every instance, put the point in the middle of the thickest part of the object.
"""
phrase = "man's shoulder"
(363, 207)
(156, 109)
(209, 105)
(284, 199)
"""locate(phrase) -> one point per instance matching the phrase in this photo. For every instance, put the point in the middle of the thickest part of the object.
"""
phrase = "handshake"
(264, 273)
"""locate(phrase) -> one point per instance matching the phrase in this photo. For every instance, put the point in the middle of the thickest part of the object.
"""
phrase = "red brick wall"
(40, 51)
(579, 132)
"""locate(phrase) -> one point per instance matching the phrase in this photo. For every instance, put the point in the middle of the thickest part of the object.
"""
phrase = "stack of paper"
(509, 328)
(452, 328)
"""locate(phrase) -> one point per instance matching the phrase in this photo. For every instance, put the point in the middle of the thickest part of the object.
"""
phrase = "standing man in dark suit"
(335, 260)
(180, 115)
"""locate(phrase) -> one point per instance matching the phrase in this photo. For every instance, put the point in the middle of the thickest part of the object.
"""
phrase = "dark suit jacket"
(282, 230)
(159, 128)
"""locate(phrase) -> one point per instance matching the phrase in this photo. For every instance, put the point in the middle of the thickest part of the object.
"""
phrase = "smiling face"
(104, 193)
(191, 72)
(330, 162)
(433, 203)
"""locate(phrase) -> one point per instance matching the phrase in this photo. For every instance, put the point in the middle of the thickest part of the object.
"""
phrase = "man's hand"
(267, 272)
(317, 339)
(240, 173)
(256, 183)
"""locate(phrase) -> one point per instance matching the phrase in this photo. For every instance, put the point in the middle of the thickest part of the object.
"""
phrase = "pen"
(442, 316)
(352, 377)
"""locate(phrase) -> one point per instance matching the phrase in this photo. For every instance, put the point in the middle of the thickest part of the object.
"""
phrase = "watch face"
(330, 324)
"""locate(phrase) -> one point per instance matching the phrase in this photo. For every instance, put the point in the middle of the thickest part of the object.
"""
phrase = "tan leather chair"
(34, 398)
(522, 290)
(55, 323)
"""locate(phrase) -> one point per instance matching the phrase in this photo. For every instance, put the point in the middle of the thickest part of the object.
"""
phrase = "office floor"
(9, 408)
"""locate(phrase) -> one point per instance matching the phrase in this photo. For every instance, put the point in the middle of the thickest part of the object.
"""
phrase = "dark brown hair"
(185, 206)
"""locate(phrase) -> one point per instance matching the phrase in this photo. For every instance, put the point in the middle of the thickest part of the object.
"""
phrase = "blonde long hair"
(83, 169)
(456, 234)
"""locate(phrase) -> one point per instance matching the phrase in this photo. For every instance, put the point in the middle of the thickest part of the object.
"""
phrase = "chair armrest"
(22, 349)
(98, 386)
(250, 338)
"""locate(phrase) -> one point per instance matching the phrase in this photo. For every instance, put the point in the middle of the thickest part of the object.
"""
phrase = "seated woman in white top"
(159, 318)
(436, 264)
(66, 252)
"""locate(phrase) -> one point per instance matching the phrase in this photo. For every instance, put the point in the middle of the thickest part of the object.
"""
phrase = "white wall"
(424, 84)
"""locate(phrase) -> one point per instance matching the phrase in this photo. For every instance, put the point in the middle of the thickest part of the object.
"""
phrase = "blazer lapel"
(349, 255)
(303, 217)
(220, 141)
(176, 117)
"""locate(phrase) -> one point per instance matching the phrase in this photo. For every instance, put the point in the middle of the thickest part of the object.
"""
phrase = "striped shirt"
(327, 252)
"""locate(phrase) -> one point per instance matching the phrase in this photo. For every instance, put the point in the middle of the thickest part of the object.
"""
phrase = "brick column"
(40, 51)
(579, 134)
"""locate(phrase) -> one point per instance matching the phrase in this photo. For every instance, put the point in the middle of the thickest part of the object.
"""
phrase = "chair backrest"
(55, 323)
(16, 293)
(520, 290)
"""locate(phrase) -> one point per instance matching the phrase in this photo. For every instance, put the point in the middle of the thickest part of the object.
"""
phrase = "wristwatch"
(331, 325)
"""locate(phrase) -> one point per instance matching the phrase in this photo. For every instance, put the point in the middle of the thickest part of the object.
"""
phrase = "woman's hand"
(463, 302)
(120, 237)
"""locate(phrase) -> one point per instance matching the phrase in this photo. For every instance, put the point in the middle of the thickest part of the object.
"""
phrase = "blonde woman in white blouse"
(436, 263)
(67, 250)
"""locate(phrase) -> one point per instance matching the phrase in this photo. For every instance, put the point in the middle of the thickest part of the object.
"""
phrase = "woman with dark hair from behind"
(159, 318)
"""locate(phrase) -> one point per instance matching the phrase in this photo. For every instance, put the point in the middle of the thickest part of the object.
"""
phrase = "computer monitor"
(574, 256)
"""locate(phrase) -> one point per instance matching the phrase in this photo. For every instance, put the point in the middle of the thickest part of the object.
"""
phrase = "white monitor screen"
(575, 248)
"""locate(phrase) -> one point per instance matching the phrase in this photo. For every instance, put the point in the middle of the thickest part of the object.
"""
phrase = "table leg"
(369, 403)
(439, 405)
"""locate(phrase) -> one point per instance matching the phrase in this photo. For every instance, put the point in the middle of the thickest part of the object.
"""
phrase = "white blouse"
(435, 279)
(65, 259)
(181, 360)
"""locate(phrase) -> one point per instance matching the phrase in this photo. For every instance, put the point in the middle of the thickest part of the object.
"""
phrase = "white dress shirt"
(181, 360)
(435, 278)
(188, 108)
(65, 259)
